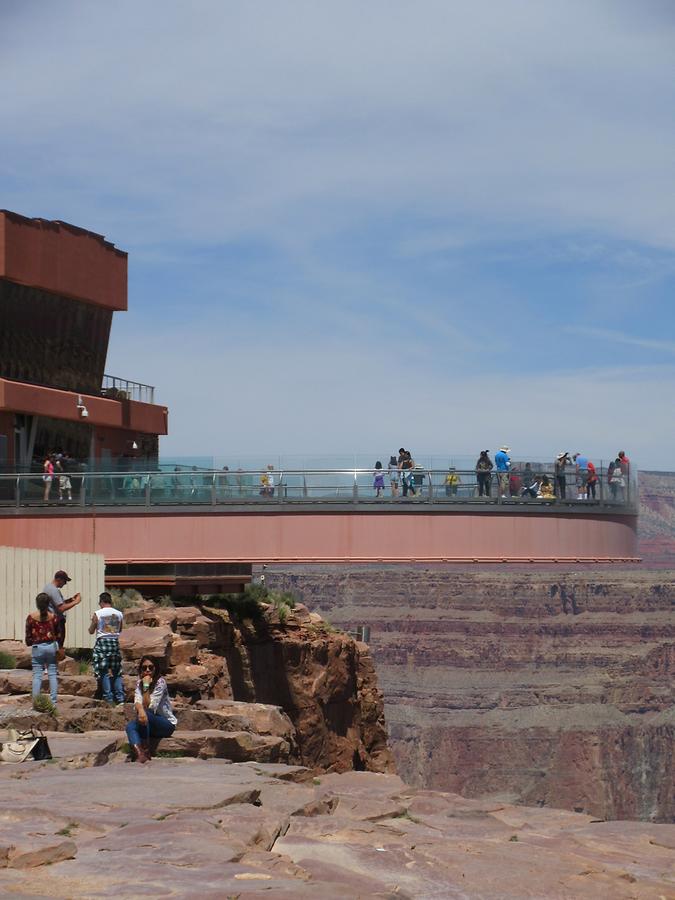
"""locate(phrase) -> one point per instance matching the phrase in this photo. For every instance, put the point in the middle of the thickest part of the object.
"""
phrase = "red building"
(59, 288)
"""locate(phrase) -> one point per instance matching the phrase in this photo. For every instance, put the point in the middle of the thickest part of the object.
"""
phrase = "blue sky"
(355, 226)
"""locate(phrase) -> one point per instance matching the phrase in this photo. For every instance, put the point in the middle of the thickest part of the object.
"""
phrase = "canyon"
(543, 688)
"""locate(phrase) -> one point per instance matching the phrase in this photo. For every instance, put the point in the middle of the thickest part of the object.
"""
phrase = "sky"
(358, 226)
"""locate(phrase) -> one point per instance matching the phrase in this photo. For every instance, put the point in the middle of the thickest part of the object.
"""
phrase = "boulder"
(20, 652)
(183, 651)
(189, 679)
(142, 640)
(237, 746)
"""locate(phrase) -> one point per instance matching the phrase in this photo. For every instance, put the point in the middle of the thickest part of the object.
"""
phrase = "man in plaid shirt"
(106, 659)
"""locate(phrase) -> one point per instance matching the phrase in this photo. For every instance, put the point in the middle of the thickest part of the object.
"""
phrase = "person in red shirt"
(592, 480)
(42, 630)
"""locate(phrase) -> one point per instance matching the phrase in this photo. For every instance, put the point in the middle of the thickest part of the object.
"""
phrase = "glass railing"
(122, 389)
(520, 488)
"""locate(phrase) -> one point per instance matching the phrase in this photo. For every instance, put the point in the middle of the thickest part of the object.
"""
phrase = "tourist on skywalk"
(267, 482)
(378, 479)
(546, 489)
(561, 463)
(451, 482)
(503, 464)
(617, 481)
(484, 467)
(581, 471)
(48, 476)
(394, 476)
(406, 464)
(530, 485)
(624, 462)
(592, 480)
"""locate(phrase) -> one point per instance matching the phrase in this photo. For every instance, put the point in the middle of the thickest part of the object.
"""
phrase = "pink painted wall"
(323, 537)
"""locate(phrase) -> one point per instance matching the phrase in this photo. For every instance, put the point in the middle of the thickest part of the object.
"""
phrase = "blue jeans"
(44, 655)
(157, 727)
(117, 687)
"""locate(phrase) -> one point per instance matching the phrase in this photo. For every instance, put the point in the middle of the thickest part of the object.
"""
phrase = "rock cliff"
(545, 688)
(297, 691)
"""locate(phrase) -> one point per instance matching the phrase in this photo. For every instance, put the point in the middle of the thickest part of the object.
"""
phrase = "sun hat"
(504, 449)
(562, 454)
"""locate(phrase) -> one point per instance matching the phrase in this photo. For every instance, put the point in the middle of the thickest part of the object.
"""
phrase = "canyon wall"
(542, 687)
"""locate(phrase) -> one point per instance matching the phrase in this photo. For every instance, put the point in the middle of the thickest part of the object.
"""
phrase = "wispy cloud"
(618, 337)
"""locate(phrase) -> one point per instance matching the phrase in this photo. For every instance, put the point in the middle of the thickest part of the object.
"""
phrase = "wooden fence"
(24, 573)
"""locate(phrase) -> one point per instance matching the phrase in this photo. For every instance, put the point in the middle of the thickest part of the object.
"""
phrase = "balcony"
(114, 388)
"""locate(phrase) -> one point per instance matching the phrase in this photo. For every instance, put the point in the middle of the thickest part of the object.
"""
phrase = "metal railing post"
(18, 491)
(355, 489)
(280, 488)
(431, 488)
(213, 489)
(148, 489)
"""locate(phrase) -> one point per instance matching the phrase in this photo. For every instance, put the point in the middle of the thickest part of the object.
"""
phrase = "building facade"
(59, 288)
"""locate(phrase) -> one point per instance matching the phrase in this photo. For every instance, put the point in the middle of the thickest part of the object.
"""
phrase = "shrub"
(7, 661)
(125, 599)
(43, 704)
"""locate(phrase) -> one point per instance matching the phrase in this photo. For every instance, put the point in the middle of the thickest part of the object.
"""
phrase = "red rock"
(139, 640)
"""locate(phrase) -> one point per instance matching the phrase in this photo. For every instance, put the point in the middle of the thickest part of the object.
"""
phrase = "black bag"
(41, 749)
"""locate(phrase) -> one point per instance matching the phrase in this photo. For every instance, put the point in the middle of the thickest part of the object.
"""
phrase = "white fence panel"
(24, 573)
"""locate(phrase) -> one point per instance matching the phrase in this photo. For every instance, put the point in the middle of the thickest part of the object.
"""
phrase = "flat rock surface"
(182, 828)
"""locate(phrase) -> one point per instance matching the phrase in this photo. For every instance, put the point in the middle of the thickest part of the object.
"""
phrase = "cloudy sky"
(353, 226)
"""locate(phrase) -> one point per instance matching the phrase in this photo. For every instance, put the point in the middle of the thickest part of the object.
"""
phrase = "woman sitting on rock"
(154, 714)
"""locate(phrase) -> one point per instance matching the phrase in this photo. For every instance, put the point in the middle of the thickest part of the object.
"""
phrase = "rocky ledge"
(292, 691)
(182, 828)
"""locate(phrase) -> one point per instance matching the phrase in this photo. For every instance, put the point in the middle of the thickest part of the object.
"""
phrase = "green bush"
(7, 661)
(43, 704)
(125, 599)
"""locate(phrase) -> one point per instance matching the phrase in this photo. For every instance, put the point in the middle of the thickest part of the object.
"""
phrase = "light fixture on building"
(84, 412)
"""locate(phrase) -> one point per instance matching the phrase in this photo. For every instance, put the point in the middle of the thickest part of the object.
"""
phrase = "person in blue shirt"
(503, 464)
(581, 464)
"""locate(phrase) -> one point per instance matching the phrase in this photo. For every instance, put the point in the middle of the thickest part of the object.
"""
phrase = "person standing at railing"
(624, 462)
(378, 479)
(592, 480)
(581, 470)
(451, 482)
(561, 462)
(484, 467)
(617, 481)
(406, 465)
(503, 464)
(394, 476)
(48, 477)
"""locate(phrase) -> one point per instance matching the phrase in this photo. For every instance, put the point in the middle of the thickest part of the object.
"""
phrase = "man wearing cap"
(57, 604)
(503, 464)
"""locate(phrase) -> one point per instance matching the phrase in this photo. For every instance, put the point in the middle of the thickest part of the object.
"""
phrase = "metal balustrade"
(122, 389)
(319, 487)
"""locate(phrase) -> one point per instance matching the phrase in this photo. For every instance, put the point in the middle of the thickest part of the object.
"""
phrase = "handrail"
(122, 389)
(208, 487)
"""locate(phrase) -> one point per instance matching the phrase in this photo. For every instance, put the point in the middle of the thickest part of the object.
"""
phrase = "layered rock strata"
(543, 688)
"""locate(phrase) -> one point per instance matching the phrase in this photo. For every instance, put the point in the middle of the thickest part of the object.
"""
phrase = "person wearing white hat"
(503, 464)
(562, 459)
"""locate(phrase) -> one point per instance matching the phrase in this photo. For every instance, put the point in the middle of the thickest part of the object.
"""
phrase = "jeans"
(484, 481)
(44, 655)
(157, 727)
(117, 687)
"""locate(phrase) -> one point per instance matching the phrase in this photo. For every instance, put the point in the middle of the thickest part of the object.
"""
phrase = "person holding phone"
(154, 714)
